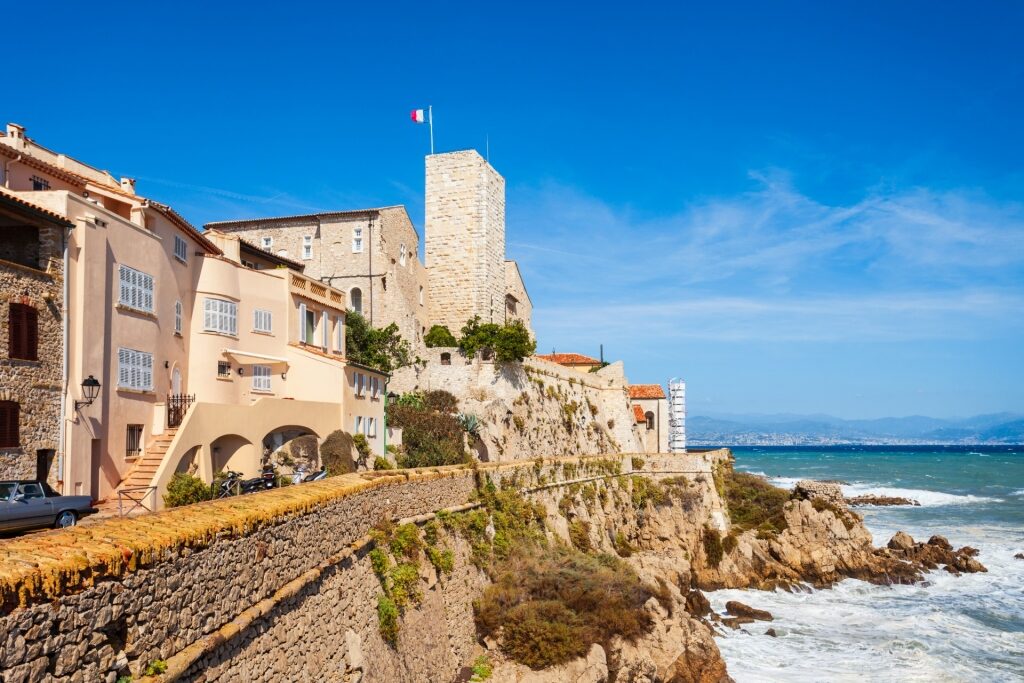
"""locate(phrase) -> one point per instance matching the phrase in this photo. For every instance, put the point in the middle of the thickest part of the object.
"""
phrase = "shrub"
(156, 667)
(381, 348)
(440, 400)
(185, 489)
(443, 560)
(712, 546)
(439, 335)
(638, 463)
(622, 545)
(387, 615)
(509, 342)
(579, 534)
(382, 463)
(753, 503)
(429, 438)
(470, 424)
(648, 491)
(482, 669)
(411, 399)
(336, 453)
(729, 543)
(551, 604)
(362, 445)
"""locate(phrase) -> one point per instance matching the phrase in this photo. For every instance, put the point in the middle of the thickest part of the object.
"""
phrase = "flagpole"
(430, 118)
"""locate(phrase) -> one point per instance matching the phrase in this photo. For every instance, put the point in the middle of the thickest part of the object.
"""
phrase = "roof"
(305, 216)
(23, 205)
(189, 229)
(245, 246)
(646, 391)
(638, 414)
(569, 359)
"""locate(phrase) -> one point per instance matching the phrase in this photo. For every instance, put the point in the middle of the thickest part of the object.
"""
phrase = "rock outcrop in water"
(857, 501)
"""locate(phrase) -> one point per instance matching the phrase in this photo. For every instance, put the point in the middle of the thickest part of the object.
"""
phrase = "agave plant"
(470, 424)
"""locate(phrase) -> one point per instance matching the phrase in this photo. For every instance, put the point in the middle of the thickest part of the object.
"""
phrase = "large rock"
(738, 609)
(901, 540)
(590, 669)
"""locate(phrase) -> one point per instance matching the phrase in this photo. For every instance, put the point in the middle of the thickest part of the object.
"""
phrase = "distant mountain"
(792, 429)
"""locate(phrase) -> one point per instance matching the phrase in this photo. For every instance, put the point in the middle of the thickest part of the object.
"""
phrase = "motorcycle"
(316, 476)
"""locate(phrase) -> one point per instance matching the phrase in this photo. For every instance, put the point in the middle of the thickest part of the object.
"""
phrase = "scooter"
(316, 476)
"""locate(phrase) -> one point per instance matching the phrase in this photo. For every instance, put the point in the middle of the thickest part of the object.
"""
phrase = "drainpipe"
(385, 420)
(7, 169)
(369, 244)
(62, 438)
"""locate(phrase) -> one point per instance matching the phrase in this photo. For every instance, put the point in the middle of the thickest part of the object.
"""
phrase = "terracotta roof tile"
(638, 413)
(646, 391)
(51, 215)
(570, 359)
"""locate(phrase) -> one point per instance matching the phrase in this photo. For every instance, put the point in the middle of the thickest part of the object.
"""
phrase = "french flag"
(419, 116)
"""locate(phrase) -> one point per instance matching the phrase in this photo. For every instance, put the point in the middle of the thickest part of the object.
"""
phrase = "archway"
(355, 299)
(234, 452)
(188, 463)
(292, 446)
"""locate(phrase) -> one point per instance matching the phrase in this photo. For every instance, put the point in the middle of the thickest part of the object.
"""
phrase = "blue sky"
(798, 207)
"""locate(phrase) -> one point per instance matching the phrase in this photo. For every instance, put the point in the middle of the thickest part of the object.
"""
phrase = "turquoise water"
(967, 628)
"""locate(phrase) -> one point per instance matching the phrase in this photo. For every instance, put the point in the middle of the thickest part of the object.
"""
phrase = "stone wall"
(265, 587)
(465, 239)
(34, 385)
(534, 407)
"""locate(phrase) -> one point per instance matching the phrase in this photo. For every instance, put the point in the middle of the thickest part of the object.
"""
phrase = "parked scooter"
(231, 485)
(316, 476)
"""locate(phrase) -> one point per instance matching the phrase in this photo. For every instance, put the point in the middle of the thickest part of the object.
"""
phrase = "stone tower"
(465, 239)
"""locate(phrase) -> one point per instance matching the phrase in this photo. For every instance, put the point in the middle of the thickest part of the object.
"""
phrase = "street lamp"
(90, 390)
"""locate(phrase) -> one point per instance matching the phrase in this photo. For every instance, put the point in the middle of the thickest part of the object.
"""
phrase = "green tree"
(440, 335)
(381, 348)
(509, 342)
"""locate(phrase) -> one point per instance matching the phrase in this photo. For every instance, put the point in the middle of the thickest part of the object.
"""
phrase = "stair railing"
(177, 407)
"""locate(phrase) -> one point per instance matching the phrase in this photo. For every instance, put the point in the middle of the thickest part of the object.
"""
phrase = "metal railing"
(177, 407)
(136, 496)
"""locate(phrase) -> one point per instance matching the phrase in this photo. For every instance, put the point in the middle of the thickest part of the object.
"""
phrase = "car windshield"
(5, 489)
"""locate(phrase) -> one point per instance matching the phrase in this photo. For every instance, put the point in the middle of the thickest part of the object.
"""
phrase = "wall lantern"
(90, 390)
(284, 375)
(241, 371)
(392, 398)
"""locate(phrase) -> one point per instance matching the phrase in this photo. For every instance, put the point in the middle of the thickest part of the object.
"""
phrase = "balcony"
(316, 291)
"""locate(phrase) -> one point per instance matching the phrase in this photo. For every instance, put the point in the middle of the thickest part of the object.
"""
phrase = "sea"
(951, 628)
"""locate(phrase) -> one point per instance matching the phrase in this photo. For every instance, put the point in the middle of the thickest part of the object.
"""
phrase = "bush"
(729, 543)
(579, 534)
(387, 615)
(381, 348)
(712, 546)
(336, 453)
(382, 463)
(482, 669)
(638, 463)
(441, 401)
(429, 438)
(754, 503)
(622, 545)
(551, 604)
(185, 489)
(439, 335)
(362, 446)
(646, 490)
(509, 342)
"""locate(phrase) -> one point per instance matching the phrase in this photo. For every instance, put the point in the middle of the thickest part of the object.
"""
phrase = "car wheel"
(66, 519)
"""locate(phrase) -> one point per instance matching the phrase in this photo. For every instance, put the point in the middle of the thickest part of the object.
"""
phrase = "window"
(39, 184)
(133, 441)
(220, 316)
(180, 249)
(261, 378)
(267, 243)
(446, 358)
(325, 333)
(357, 240)
(223, 368)
(307, 325)
(23, 340)
(136, 289)
(250, 265)
(177, 317)
(307, 247)
(374, 387)
(355, 300)
(359, 425)
(401, 254)
(360, 384)
(134, 370)
(9, 437)
(421, 295)
(31, 490)
(262, 321)
(650, 419)
(339, 335)
(371, 427)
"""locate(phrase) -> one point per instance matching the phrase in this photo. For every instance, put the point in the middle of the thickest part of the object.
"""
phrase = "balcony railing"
(177, 407)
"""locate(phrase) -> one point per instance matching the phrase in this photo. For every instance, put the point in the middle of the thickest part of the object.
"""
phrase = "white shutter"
(123, 370)
(338, 327)
(126, 290)
(359, 425)
(233, 318)
(146, 371)
(147, 292)
(302, 323)
(326, 334)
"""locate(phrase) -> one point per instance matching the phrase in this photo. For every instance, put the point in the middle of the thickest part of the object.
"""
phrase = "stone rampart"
(255, 588)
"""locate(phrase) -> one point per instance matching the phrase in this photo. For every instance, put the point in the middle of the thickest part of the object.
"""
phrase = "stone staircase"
(141, 474)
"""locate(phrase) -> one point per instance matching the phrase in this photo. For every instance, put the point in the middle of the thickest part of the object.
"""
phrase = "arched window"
(650, 419)
(401, 254)
(446, 358)
(355, 300)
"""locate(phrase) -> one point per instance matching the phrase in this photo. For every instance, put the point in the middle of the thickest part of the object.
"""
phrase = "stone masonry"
(465, 233)
(31, 273)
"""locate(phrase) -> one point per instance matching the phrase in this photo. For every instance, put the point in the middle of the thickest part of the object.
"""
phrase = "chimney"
(16, 134)
(128, 185)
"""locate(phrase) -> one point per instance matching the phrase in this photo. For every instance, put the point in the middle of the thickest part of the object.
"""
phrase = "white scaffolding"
(676, 415)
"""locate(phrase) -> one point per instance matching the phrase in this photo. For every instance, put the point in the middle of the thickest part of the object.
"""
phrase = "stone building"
(576, 361)
(651, 408)
(371, 254)
(32, 310)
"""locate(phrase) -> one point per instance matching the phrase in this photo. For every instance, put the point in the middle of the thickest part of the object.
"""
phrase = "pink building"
(208, 354)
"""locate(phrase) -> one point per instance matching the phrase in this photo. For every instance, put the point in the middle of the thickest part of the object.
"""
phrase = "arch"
(355, 299)
(650, 419)
(188, 462)
(176, 380)
(279, 436)
(234, 452)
